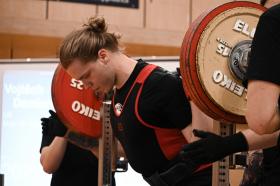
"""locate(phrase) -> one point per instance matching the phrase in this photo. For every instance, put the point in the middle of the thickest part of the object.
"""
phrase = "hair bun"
(96, 25)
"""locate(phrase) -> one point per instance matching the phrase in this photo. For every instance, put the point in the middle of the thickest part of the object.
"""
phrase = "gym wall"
(34, 28)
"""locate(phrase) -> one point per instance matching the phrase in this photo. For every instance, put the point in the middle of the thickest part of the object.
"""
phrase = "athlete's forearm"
(200, 121)
(262, 112)
(275, 121)
(52, 155)
(256, 141)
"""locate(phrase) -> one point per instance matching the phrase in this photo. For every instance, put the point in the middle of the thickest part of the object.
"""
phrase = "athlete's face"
(97, 75)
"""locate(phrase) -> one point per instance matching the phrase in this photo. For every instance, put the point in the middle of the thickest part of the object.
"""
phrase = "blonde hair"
(85, 43)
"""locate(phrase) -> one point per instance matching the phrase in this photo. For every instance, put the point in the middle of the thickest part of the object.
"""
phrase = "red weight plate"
(189, 69)
(187, 81)
(77, 107)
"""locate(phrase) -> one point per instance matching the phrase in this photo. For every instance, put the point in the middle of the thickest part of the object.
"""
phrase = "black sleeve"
(177, 108)
(165, 104)
(46, 141)
(265, 53)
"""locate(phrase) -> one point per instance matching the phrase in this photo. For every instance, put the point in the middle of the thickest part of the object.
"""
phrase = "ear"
(103, 55)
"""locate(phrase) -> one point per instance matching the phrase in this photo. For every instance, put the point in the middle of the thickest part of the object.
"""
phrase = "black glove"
(212, 147)
(53, 126)
(178, 170)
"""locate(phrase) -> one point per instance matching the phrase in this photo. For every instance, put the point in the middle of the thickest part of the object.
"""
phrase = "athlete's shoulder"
(273, 12)
(162, 80)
